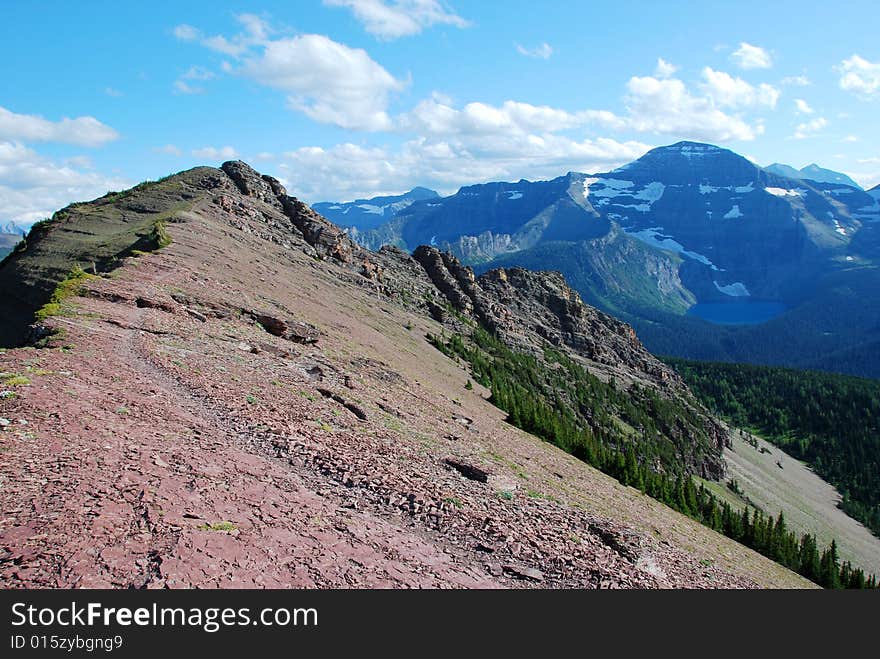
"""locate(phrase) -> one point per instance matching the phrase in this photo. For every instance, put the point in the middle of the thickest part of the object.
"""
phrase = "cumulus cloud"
(82, 131)
(436, 116)
(802, 106)
(664, 69)
(859, 76)
(809, 128)
(214, 153)
(185, 83)
(748, 56)
(399, 18)
(850, 139)
(728, 91)
(667, 107)
(326, 80)
(349, 171)
(255, 31)
(543, 51)
(32, 187)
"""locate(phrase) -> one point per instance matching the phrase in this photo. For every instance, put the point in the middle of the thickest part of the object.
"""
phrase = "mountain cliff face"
(226, 378)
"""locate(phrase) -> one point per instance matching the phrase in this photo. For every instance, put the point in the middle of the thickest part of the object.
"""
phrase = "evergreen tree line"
(829, 421)
(619, 434)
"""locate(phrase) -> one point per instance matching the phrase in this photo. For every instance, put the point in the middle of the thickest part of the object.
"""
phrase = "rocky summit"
(215, 386)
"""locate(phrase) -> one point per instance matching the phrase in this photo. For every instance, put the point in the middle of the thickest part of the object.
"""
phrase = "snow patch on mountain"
(651, 192)
(733, 213)
(514, 194)
(605, 189)
(655, 237)
(782, 192)
(697, 150)
(736, 289)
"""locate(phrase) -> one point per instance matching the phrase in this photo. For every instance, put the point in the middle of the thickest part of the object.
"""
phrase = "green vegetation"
(557, 399)
(218, 526)
(635, 436)
(71, 286)
(14, 380)
(828, 421)
(159, 235)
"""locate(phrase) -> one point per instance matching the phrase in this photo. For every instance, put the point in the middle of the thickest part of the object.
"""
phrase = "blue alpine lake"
(737, 312)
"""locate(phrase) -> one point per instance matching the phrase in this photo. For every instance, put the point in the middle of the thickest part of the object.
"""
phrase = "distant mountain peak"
(365, 214)
(689, 162)
(812, 172)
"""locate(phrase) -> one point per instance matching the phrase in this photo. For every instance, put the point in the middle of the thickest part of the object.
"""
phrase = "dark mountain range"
(365, 214)
(812, 173)
(666, 239)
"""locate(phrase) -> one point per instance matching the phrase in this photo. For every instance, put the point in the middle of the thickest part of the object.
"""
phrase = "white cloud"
(728, 91)
(198, 73)
(859, 76)
(437, 117)
(349, 171)
(256, 31)
(809, 128)
(326, 80)
(796, 81)
(33, 187)
(183, 87)
(664, 69)
(748, 56)
(186, 32)
(82, 131)
(543, 51)
(802, 106)
(113, 93)
(168, 149)
(214, 153)
(850, 139)
(869, 161)
(667, 107)
(390, 19)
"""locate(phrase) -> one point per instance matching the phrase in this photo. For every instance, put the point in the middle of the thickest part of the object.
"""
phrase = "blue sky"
(349, 98)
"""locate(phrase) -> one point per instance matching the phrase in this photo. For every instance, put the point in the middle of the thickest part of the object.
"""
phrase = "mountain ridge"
(257, 384)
